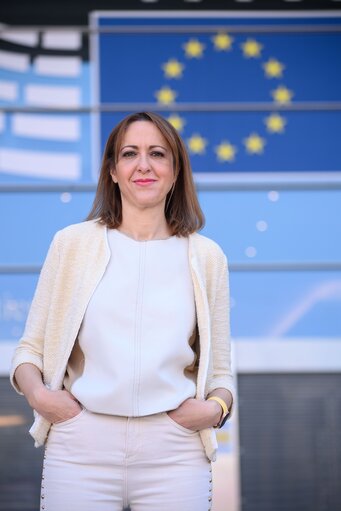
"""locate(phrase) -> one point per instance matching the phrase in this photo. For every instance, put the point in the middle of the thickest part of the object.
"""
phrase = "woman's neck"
(144, 225)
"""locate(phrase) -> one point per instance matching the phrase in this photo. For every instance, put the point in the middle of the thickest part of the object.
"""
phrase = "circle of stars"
(253, 143)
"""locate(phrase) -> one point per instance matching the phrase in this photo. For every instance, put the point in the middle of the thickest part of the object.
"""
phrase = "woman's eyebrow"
(136, 147)
(129, 145)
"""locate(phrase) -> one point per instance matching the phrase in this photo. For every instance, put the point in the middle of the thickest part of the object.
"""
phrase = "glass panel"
(284, 226)
(286, 304)
(28, 222)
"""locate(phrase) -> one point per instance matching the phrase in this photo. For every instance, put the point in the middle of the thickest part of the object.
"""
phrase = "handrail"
(225, 183)
(204, 106)
(17, 269)
(178, 29)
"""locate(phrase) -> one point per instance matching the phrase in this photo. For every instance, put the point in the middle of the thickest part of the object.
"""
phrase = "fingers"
(59, 405)
(71, 395)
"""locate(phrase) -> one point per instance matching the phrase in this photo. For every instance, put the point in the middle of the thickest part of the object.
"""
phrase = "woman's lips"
(144, 182)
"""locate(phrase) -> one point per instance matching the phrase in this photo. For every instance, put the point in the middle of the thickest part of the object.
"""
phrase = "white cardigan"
(75, 264)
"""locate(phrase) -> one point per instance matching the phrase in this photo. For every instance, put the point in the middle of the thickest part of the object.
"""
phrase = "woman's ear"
(113, 175)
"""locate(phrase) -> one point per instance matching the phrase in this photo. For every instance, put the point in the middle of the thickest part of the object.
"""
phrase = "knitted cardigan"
(75, 263)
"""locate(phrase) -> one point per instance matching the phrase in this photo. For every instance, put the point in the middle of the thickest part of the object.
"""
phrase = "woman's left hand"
(197, 414)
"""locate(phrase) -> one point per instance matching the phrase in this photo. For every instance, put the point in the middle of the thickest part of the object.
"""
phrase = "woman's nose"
(143, 164)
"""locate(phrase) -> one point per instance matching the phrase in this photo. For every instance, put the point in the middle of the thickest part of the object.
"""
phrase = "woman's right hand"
(55, 405)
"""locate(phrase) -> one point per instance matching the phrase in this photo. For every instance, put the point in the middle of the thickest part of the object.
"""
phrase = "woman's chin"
(145, 202)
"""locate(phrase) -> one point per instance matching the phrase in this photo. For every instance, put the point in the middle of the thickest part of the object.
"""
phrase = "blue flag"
(244, 101)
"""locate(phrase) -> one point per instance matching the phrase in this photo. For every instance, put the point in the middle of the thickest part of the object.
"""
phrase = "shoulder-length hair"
(182, 209)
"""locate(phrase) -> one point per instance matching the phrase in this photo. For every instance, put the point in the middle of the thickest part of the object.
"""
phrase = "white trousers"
(96, 462)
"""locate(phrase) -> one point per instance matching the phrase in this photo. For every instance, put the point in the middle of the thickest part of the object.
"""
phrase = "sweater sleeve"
(30, 348)
(220, 336)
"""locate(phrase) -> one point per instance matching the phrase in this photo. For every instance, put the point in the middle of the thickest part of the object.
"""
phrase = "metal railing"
(19, 269)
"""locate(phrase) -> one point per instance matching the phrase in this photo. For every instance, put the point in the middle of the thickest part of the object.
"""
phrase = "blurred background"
(254, 88)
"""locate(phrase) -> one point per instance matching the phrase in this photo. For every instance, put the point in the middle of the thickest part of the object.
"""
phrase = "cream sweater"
(75, 264)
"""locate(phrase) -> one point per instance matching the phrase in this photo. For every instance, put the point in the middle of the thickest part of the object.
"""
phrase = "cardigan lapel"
(203, 316)
(97, 257)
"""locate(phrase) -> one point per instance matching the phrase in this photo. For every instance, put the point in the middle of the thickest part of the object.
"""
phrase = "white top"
(134, 343)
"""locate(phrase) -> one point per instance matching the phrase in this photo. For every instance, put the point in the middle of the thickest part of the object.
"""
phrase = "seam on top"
(137, 329)
(140, 319)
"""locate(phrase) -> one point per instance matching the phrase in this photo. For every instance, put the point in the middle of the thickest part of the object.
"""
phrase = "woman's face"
(144, 169)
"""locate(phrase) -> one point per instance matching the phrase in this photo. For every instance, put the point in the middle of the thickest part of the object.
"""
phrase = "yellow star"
(226, 151)
(197, 144)
(194, 48)
(282, 95)
(177, 122)
(173, 68)
(251, 48)
(275, 123)
(273, 68)
(222, 41)
(254, 144)
(166, 95)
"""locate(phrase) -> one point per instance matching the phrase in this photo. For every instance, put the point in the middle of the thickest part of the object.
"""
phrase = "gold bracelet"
(222, 404)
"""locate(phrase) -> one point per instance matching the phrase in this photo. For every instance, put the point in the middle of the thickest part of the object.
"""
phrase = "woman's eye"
(128, 154)
(158, 154)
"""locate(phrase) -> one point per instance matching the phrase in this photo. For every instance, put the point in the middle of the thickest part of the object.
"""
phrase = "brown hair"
(182, 209)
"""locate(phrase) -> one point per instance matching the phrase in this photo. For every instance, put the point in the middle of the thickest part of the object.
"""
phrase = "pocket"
(69, 421)
(179, 426)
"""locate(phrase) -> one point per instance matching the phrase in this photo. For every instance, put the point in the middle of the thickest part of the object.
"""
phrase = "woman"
(125, 357)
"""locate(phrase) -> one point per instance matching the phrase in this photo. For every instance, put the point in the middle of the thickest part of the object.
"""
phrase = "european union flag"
(244, 101)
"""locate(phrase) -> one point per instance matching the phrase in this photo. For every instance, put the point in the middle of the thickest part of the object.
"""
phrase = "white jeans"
(96, 462)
